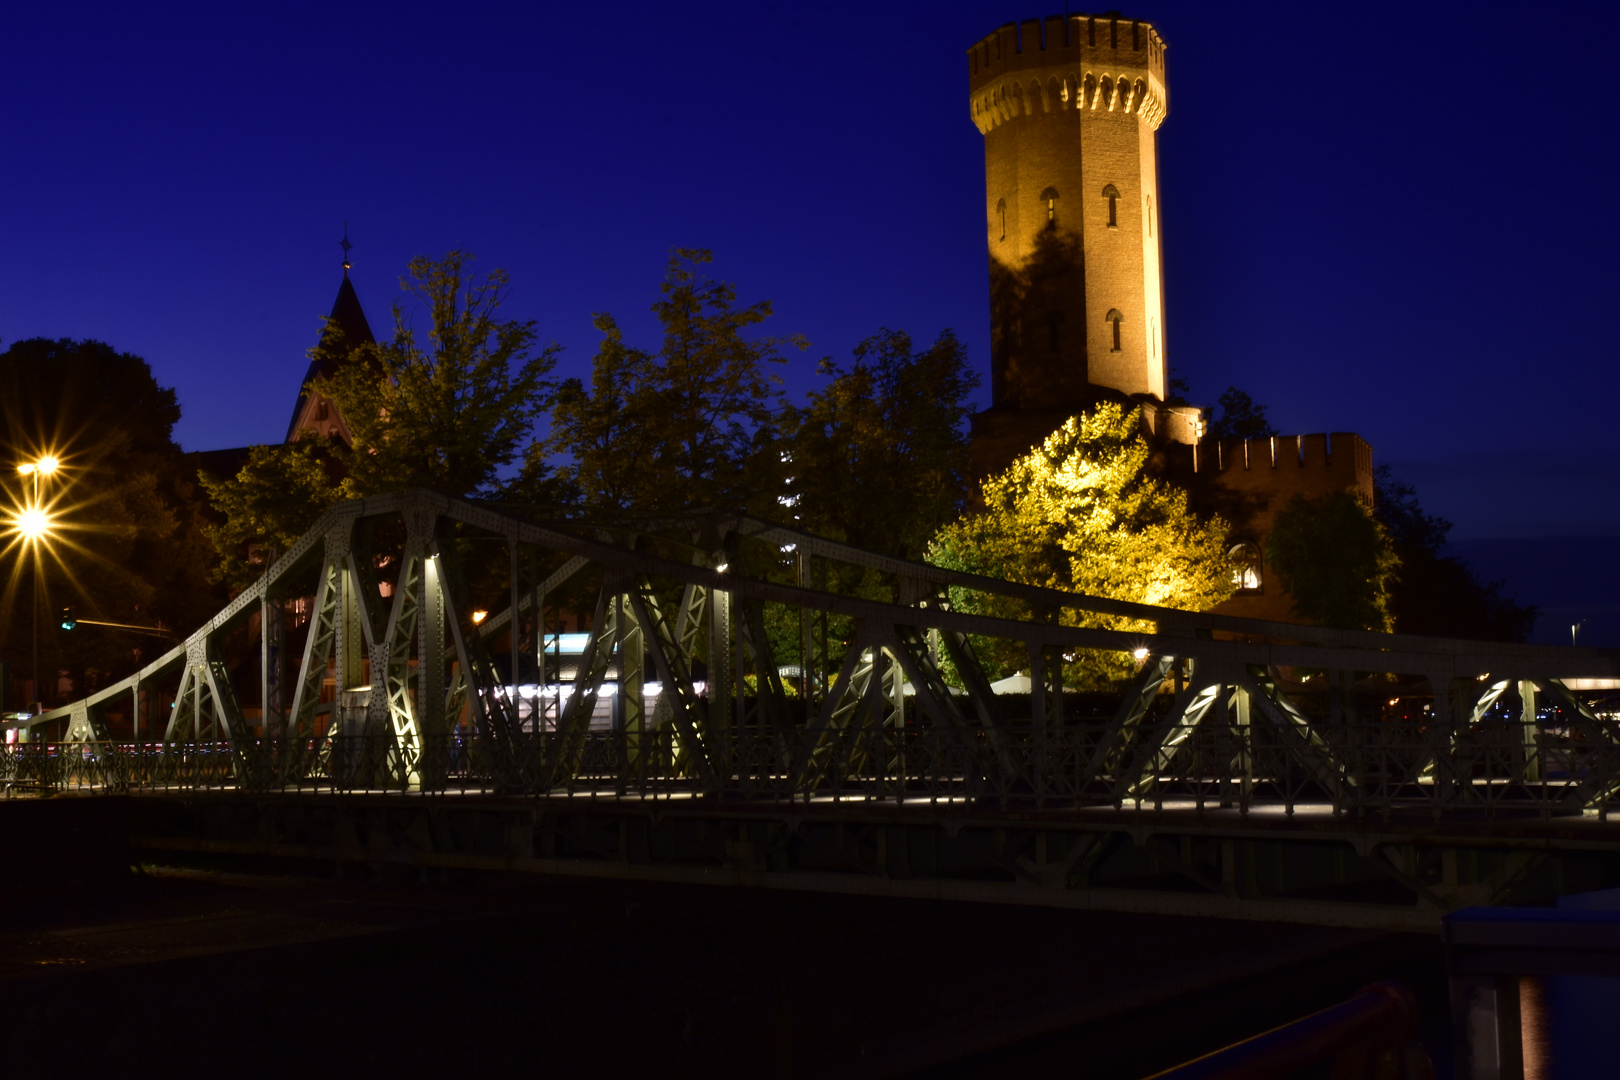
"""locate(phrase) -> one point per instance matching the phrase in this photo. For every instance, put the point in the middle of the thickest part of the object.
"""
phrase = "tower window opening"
(1150, 216)
(1244, 559)
(1050, 197)
(1114, 318)
(1001, 211)
(1111, 193)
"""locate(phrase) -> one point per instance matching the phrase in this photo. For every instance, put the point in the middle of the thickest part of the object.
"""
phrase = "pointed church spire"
(346, 328)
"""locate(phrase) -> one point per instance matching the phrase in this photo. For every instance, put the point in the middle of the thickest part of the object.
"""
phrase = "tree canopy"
(452, 412)
(276, 496)
(1336, 560)
(1240, 417)
(1436, 593)
(1082, 512)
(127, 545)
(878, 456)
(692, 425)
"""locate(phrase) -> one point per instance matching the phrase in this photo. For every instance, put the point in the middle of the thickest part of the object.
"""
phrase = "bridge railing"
(412, 642)
(1500, 767)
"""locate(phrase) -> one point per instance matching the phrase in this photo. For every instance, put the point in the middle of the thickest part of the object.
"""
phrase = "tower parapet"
(1056, 63)
(1069, 109)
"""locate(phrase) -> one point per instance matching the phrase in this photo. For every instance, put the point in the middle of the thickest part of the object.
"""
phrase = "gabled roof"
(346, 323)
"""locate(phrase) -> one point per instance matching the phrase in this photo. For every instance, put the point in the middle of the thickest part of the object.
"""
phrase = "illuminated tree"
(1082, 513)
(689, 426)
(1336, 560)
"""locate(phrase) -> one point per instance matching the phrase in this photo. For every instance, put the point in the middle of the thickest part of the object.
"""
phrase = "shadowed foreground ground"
(194, 971)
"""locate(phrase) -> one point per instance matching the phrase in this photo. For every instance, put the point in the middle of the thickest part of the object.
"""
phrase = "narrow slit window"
(1111, 193)
(1001, 212)
(1150, 216)
(1114, 318)
(1049, 198)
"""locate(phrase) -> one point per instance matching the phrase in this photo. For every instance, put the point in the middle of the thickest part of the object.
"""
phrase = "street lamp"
(33, 524)
(45, 466)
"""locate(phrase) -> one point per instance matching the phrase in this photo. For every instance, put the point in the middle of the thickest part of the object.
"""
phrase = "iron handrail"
(1372, 1029)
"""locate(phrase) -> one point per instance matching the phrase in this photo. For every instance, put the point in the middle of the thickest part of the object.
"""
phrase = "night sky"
(1393, 222)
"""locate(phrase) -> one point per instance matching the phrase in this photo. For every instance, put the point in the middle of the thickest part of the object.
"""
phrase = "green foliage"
(1435, 593)
(689, 426)
(879, 455)
(451, 413)
(1082, 513)
(128, 544)
(1336, 560)
(1240, 417)
(273, 499)
(448, 415)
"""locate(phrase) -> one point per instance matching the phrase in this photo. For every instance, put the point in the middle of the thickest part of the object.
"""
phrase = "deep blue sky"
(1396, 222)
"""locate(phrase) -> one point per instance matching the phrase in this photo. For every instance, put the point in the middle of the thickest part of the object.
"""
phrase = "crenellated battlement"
(1097, 64)
(1342, 453)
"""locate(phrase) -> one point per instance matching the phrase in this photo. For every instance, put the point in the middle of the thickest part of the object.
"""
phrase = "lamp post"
(35, 524)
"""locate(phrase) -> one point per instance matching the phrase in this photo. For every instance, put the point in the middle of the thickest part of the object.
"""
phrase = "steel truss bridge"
(739, 709)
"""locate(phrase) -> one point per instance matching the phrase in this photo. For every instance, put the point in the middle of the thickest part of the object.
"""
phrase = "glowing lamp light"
(479, 616)
(1140, 654)
(45, 466)
(722, 568)
(32, 523)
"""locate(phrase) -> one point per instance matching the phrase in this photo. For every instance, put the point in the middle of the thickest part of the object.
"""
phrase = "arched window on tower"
(1114, 318)
(1049, 197)
(1001, 212)
(1111, 193)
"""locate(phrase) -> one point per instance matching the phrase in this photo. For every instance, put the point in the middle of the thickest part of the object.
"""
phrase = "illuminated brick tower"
(1069, 108)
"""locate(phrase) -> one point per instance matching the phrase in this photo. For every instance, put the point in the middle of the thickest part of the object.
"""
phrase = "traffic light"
(69, 620)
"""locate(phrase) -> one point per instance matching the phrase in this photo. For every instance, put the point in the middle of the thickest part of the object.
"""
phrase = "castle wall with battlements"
(1249, 481)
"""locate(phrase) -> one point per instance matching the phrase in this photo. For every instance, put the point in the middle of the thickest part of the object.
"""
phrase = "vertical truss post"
(1450, 781)
(632, 680)
(1045, 710)
(721, 647)
(1528, 731)
(304, 742)
(513, 626)
(894, 723)
(822, 659)
(679, 701)
(272, 665)
(1242, 764)
(347, 639)
(431, 649)
(802, 579)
